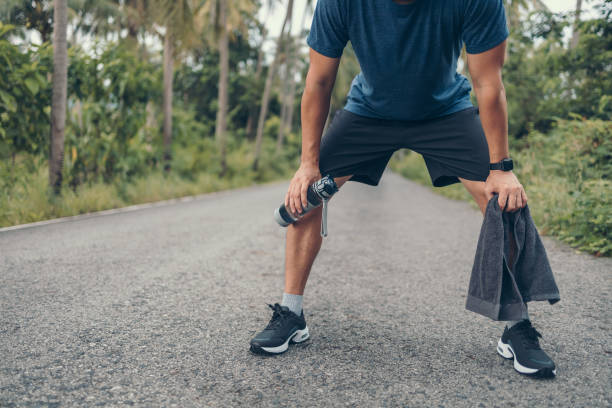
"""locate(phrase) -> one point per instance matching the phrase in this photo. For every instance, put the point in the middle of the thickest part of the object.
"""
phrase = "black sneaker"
(521, 343)
(285, 327)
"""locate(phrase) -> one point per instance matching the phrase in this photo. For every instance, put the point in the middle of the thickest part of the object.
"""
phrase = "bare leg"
(477, 189)
(302, 246)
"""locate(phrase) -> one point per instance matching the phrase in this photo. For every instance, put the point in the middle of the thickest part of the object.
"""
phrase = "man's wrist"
(495, 157)
(505, 164)
(310, 162)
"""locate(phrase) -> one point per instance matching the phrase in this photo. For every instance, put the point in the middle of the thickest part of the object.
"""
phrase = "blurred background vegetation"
(170, 98)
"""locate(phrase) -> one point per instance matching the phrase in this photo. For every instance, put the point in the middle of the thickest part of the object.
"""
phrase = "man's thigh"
(356, 145)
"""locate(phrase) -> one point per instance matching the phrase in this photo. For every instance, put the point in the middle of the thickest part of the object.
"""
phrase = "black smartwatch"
(504, 165)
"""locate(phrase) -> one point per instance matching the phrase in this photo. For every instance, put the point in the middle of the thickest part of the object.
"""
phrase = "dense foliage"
(569, 170)
(545, 79)
(113, 129)
(25, 97)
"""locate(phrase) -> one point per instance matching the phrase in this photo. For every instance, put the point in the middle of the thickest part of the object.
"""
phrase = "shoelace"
(278, 316)
(529, 336)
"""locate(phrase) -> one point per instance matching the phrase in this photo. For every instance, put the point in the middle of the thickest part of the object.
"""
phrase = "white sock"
(511, 323)
(293, 302)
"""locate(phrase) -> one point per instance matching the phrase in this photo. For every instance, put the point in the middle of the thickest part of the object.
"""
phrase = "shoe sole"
(298, 336)
(506, 351)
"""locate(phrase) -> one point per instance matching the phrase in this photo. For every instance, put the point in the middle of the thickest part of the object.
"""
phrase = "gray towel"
(498, 290)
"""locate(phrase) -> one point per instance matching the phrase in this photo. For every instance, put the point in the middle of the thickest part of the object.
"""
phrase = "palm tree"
(179, 20)
(291, 85)
(221, 123)
(93, 17)
(285, 78)
(58, 102)
(285, 74)
(225, 17)
(168, 65)
(136, 15)
(259, 68)
(265, 100)
(576, 32)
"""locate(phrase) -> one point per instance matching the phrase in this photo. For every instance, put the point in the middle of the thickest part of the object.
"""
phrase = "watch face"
(507, 164)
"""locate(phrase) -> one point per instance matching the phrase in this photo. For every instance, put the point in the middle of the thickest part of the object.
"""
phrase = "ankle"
(293, 302)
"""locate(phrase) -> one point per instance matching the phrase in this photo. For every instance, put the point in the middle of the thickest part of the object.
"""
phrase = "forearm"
(315, 107)
(494, 117)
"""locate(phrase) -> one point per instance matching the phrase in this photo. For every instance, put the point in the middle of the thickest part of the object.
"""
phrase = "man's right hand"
(295, 199)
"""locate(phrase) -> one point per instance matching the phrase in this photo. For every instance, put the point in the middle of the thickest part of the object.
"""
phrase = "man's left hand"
(509, 189)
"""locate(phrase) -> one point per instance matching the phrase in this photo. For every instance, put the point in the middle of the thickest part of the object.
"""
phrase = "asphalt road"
(156, 308)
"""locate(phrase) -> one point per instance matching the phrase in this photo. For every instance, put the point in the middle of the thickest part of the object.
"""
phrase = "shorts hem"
(365, 180)
(447, 180)
(360, 178)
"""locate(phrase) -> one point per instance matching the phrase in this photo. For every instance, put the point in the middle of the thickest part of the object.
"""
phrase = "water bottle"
(318, 192)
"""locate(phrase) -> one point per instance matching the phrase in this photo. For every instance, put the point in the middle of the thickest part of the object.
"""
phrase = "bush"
(568, 171)
(545, 79)
(112, 131)
(25, 97)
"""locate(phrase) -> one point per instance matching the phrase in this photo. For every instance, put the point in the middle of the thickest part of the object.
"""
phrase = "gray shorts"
(452, 146)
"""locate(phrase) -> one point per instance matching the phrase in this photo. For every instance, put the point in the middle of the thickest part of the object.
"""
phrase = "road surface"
(156, 307)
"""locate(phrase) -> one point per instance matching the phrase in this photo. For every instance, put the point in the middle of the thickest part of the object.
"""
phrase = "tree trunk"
(59, 95)
(286, 81)
(284, 73)
(258, 71)
(167, 98)
(130, 9)
(291, 58)
(150, 121)
(78, 109)
(221, 127)
(576, 32)
(265, 100)
(132, 35)
(290, 105)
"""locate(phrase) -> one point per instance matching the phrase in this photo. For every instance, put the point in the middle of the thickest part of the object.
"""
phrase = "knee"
(310, 216)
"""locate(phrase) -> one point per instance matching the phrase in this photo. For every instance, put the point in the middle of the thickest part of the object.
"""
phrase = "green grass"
(25, 197)
(30, 201)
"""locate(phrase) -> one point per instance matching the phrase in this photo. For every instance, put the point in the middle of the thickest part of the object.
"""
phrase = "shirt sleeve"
(328, 32)
(484, 25)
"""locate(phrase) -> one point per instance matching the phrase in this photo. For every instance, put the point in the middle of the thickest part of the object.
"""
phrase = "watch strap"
(504, 165)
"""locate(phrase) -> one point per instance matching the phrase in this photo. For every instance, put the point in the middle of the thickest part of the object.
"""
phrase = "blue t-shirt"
(407, 53)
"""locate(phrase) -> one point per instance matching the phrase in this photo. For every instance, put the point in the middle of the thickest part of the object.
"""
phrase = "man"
(408, 95)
